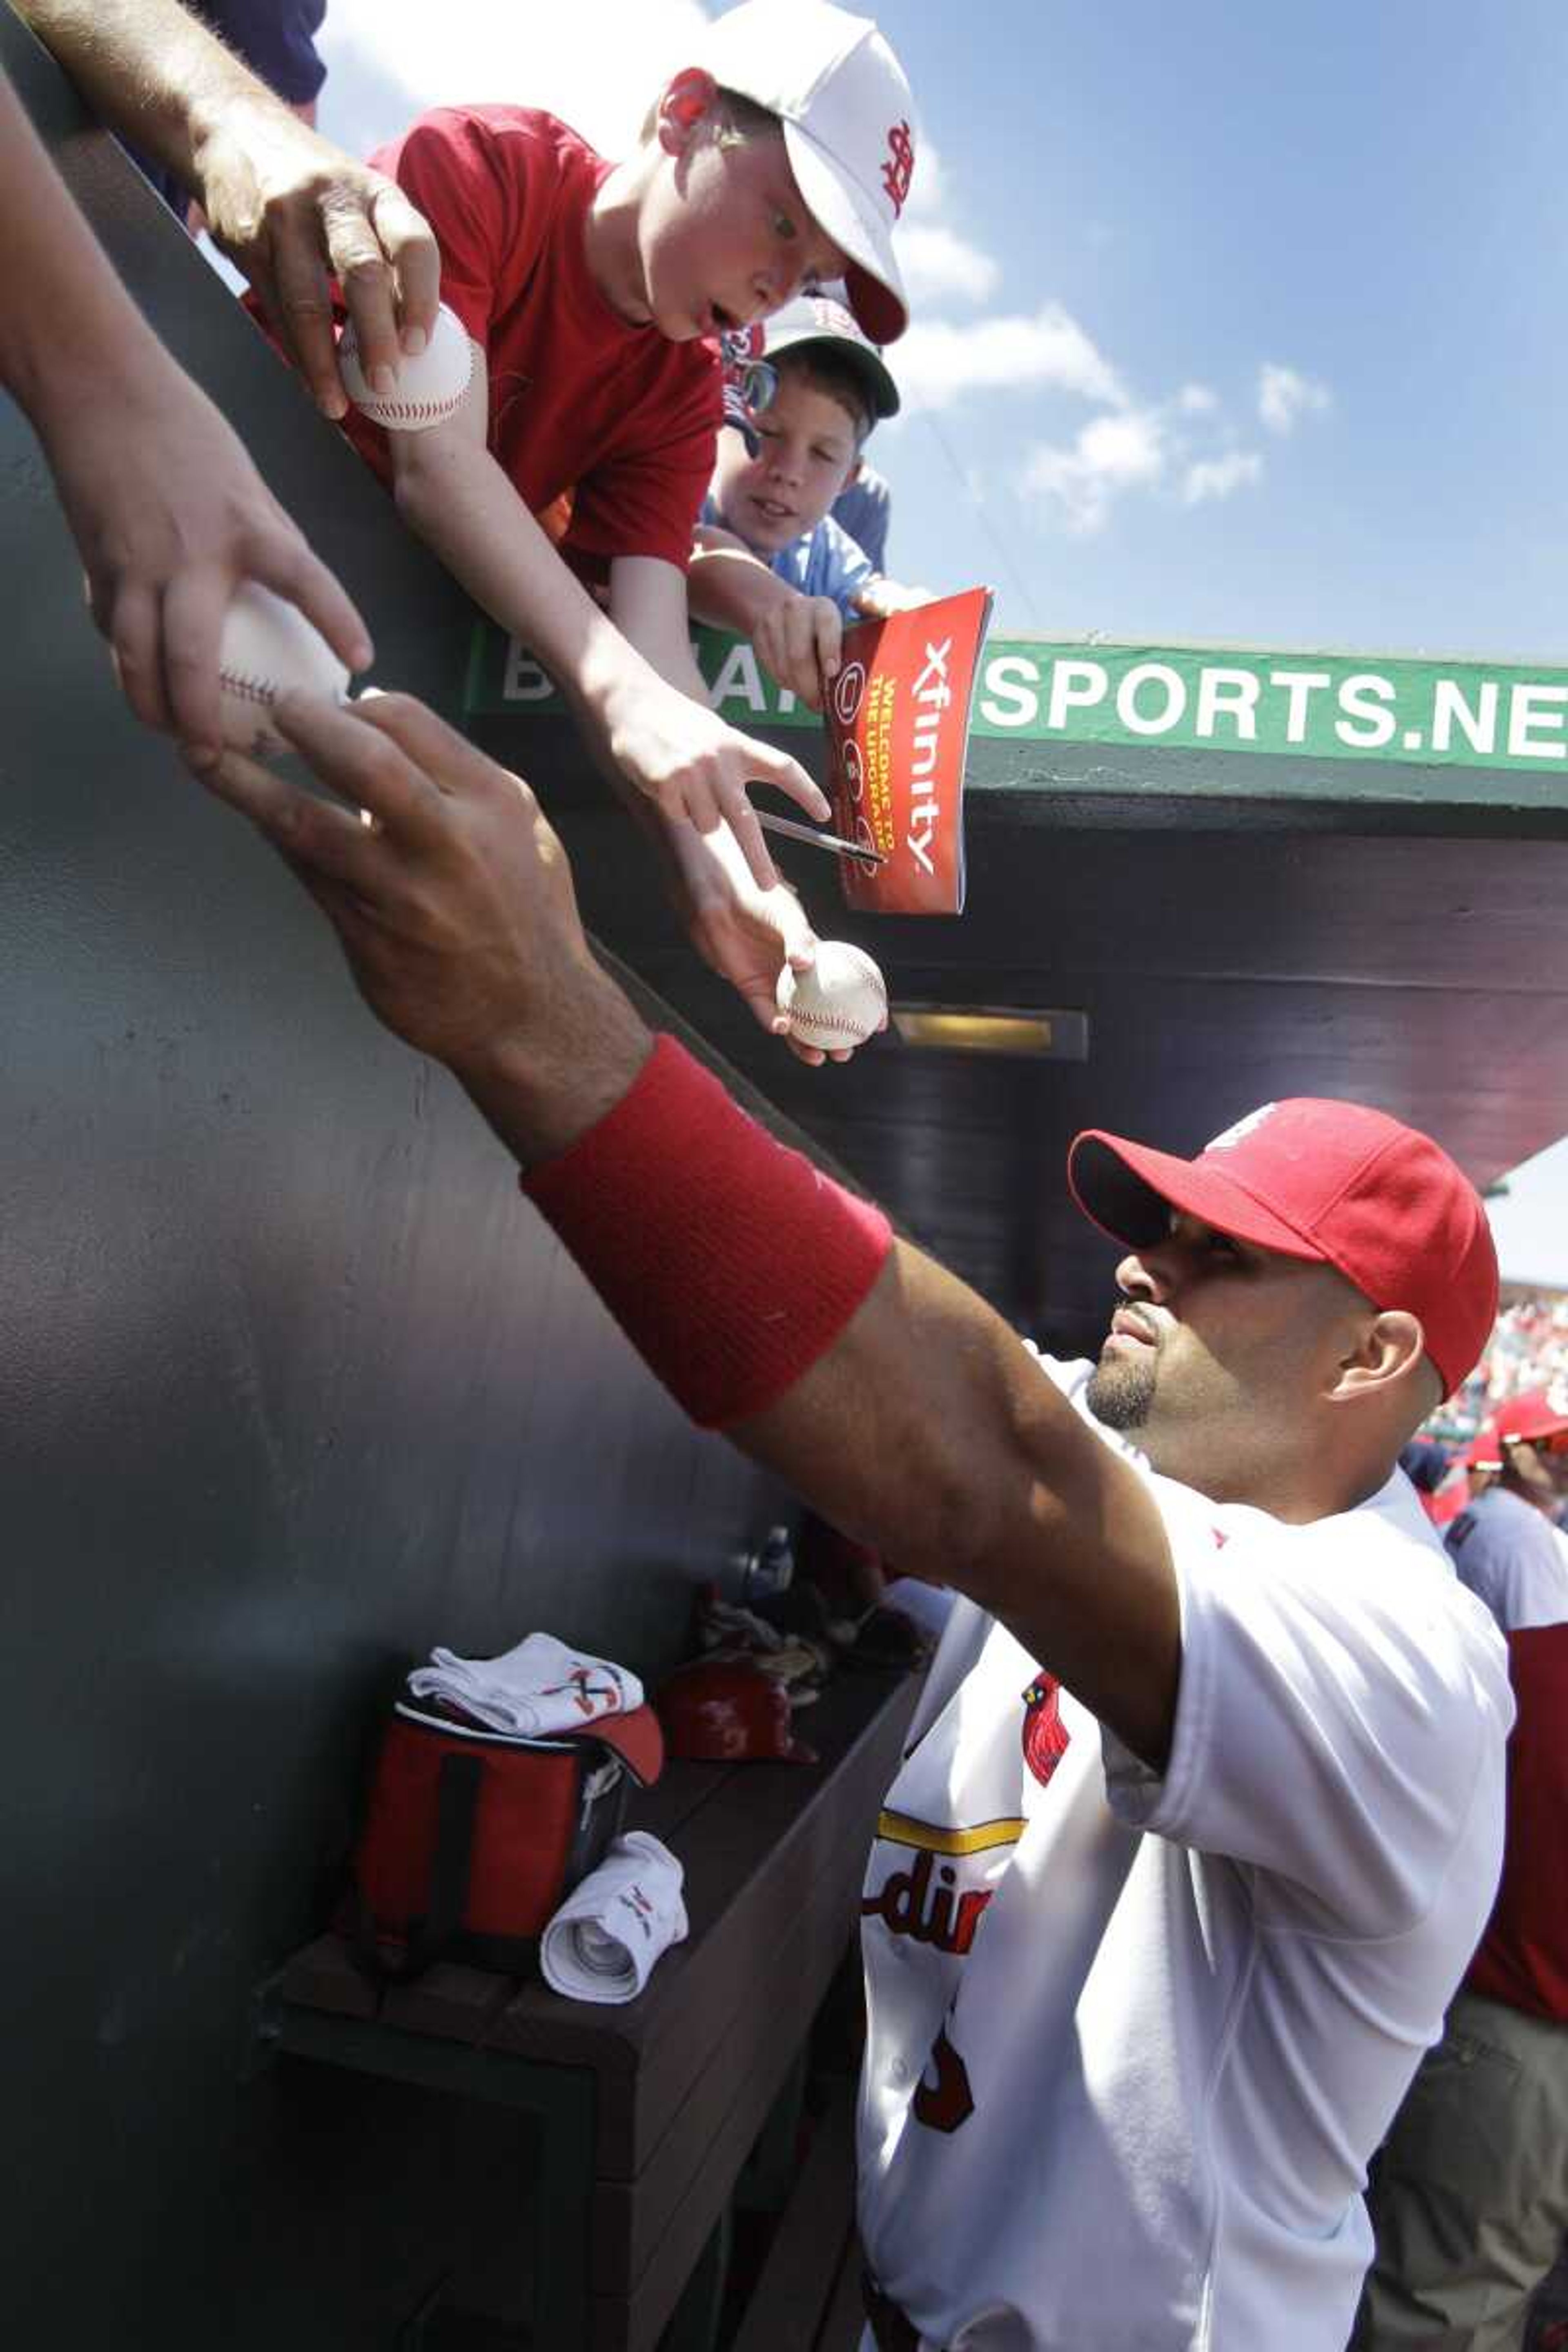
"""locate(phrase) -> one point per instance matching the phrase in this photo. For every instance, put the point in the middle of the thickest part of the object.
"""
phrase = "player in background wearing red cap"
(1470, 2198)
(1202, 1811)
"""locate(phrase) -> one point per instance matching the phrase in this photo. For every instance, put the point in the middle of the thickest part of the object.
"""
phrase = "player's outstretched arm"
(166, 508)
(923, 1427)
(690, 764)
(285, 204)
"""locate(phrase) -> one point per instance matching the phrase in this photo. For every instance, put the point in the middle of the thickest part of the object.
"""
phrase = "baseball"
(427, 388)
(268, 650)
(840, 1001)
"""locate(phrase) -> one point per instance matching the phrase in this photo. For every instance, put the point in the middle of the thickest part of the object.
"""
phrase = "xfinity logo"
(932, 695)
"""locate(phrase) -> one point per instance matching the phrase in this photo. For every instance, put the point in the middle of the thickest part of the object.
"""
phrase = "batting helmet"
(726, 1712)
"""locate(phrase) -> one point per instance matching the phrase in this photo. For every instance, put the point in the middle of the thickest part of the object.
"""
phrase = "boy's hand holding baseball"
(746, 935)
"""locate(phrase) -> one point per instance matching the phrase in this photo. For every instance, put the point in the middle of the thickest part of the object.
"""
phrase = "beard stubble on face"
(1121, 1390)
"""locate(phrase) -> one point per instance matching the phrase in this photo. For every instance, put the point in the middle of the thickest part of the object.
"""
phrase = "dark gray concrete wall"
(292, 1385)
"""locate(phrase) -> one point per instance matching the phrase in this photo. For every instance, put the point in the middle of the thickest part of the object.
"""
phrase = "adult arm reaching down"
(458, 918)
(288, 208)
(167, 509)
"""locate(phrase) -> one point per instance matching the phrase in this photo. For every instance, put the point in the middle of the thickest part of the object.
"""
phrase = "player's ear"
(1385, 1349)
(685, 104)
(856, 470)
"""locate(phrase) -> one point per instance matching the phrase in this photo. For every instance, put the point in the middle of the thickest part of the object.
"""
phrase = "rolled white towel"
(603, 1942)
(534, 1690)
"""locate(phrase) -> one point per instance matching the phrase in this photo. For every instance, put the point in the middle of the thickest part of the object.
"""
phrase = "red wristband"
(730, 1261)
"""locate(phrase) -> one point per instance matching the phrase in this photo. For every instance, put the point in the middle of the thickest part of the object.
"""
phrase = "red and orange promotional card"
(898, 724)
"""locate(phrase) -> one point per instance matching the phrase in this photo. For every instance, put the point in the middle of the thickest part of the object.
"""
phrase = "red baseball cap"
(1526, 1417)
(1333, 1181)
(1484, 1451)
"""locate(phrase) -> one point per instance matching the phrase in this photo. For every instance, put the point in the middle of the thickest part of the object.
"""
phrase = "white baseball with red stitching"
(427, 389)
(268, 648)
(839, 1002)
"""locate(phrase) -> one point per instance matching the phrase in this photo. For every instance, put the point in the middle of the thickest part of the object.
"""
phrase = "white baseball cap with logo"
(849, 125)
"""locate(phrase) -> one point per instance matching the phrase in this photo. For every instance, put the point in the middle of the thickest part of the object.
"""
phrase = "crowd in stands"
(1528, 1351)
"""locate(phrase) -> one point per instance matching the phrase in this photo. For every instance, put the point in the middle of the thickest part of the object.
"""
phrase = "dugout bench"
(649, 2111)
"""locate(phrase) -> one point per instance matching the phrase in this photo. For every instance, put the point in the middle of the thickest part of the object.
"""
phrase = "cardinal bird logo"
(1046, 1736)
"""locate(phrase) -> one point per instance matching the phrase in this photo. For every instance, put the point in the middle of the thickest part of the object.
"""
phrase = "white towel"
(534, 1690)
(603, 1942)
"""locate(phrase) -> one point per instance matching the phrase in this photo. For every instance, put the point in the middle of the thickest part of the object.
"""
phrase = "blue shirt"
(277, 39)
(864, 510)
(821, 563)
(1510, 1555)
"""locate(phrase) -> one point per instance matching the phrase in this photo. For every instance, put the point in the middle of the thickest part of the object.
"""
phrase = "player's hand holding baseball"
(291, 211)
(454, 908)
(694, 767)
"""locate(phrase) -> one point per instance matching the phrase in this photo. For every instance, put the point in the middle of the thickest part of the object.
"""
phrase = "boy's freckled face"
(805, 454)
(726, 238)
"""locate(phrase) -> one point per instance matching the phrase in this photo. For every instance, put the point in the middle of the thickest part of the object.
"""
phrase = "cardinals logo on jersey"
(1046, 1736)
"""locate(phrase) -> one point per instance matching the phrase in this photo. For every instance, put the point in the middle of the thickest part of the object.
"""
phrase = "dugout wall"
(293, 1384)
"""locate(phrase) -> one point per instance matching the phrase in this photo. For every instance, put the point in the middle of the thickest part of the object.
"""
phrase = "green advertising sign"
(1305, 706)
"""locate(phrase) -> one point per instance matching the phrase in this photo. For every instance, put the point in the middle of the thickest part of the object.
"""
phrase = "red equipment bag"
(472, 1837)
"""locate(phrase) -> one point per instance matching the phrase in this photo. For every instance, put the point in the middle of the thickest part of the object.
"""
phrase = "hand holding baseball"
(429, 387)
(171, 516)
(291, 211)
(749, 937)
(838, 1003)
(268, 650)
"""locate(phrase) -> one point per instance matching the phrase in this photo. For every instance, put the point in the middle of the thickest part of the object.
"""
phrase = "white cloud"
(1218, 477)
(597, 63)
(937, 362)
(1110, 456)
(937, 262)
(928, 191)
(1284, 395)
(1197, 400)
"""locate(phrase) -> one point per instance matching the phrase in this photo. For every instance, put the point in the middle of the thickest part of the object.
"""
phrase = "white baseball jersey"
(1132, 2039)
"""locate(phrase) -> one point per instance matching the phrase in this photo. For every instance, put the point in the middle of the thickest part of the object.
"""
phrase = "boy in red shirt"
(590, 293)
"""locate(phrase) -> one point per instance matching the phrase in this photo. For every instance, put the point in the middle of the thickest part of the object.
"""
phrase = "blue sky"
(1123, 217)
(1231, 323)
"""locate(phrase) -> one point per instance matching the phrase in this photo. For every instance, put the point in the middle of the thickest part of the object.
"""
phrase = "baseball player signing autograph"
(1202, 1811)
